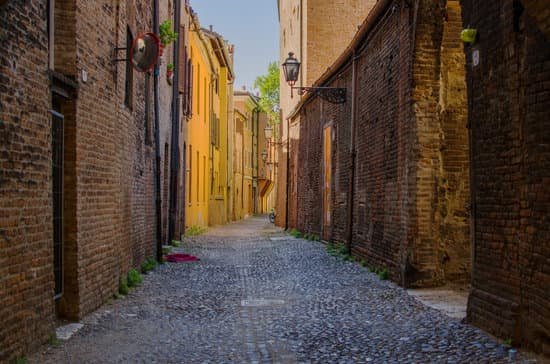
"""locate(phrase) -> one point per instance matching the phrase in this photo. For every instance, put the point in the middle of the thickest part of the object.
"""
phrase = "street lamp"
(264, 155)
(291, 70)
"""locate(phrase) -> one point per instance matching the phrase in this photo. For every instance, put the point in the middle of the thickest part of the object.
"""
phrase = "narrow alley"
(258, 295)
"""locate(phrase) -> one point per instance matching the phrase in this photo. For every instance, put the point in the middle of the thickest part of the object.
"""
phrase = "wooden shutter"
(190, 88)
(182, 61)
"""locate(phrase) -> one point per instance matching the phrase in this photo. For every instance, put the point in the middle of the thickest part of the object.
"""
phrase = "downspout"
(158, 208)
(175, 140)
(287, 170)
(258, 203)
(353, 153)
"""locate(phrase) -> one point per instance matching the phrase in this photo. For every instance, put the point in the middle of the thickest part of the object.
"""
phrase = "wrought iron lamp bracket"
(334, 95)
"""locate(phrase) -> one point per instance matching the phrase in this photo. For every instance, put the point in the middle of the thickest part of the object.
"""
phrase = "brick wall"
(115, 211)
(411, 182)
(26, 231)
(509, 100)
(108, 211)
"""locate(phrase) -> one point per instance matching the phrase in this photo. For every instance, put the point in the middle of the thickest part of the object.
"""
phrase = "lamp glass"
(291, 69)
(268, 132)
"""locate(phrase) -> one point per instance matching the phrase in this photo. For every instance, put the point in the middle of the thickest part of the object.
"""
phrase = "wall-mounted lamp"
(291, 69)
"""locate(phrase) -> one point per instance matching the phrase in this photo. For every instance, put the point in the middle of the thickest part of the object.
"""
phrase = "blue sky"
(251, 25)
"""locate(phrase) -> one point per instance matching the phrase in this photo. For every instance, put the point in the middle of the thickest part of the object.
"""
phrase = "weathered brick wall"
(114, 165)
(411, 183)
(441, 248)
(26, 231)
(509, 101)
(380, 197)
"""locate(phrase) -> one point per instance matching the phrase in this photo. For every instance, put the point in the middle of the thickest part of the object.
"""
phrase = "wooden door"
(327, 180)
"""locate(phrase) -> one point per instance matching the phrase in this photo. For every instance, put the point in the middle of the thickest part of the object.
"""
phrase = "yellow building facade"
(245, 198)
(198, 129)
(221, 101)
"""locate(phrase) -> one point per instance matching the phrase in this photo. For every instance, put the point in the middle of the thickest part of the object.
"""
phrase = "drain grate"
(261, 302)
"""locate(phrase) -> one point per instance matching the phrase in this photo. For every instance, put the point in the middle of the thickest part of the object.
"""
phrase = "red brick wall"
(509, 101)
(26, 230)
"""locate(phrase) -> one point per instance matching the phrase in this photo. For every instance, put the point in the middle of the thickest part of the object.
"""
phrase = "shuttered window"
(182, 63)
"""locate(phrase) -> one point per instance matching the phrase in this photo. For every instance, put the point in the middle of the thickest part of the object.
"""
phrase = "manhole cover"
(261, 302)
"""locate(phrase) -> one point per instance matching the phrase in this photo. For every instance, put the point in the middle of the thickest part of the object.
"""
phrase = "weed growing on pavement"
(295, 233)
(166, 250)
(383, 274)
(194, 230)
(19, 360)
(134, 278)
(123, 287)
(176, 244)
(53, 340)
(309, 236)
(507, 343)
(148, 265)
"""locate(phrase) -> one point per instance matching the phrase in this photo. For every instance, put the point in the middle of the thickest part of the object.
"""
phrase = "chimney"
(211, 28)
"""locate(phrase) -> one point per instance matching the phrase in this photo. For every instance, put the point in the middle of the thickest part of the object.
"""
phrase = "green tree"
(268, 85)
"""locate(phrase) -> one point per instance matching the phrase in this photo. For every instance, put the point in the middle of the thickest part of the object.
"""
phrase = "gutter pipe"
(175, 140)
(158, 208)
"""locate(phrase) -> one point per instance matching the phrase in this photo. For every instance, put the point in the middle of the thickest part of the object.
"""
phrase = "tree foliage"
(268, 85)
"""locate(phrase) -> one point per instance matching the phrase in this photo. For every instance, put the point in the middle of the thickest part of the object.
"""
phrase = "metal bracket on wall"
(115, 54)
(334, 95)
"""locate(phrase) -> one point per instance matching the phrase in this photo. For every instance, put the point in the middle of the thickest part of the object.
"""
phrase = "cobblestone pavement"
(259, 297)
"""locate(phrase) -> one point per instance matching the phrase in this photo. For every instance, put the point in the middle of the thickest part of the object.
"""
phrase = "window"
(190, 179)
(182, 72)
(198, 179)
(190, 88)
(129, 87)
(198, 89)
(205, 100)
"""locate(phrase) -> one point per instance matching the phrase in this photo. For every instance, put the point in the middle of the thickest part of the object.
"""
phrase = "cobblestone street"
(259, 296)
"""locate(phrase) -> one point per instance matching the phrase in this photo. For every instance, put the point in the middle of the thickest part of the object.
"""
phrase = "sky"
(251, 25)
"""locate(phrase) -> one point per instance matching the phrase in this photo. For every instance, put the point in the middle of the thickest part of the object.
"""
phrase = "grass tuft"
(134, 278)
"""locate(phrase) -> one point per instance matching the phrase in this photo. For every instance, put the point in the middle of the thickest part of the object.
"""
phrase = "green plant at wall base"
(194, 230)
(134, 278)
(295, 233)
(176, 244)
(19, 360)
(123, 287)
(167, 34)
(148, 265)
(53, 341)
(383, 274)
(166, 250)
(507, 343)
(170, 67)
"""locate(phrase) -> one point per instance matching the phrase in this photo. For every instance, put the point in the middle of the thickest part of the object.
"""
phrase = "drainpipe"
(353, 154)
(175, 140)
(158, 208)
(287, 170)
